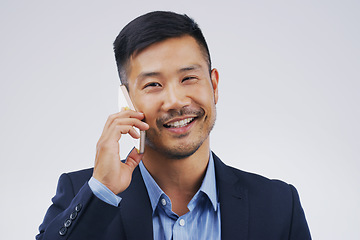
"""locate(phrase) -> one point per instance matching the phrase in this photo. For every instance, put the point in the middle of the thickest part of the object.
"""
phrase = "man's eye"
(188, 78)
(153, 84)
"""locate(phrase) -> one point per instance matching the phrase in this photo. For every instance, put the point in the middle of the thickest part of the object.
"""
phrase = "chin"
(180, 152)
(175, 152)
(177, 148)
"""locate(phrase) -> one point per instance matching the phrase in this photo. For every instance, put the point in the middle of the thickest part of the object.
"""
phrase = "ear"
(215, 82)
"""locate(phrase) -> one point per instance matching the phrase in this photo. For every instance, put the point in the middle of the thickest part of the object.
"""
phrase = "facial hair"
(181, 151)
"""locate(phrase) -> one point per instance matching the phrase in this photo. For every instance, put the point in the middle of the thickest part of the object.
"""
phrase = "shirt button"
(182, 222)
(163, 201)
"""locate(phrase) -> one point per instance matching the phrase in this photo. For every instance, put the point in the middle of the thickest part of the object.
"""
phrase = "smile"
(179, 124)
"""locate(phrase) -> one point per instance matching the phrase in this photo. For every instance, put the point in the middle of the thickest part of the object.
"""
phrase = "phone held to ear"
(125, 102)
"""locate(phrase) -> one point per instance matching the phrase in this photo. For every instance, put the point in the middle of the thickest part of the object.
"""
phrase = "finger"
(124, 126)
(143, 126)
(116, 131)
(133, 159)
(129, 118)
(127, 112)
(123, 114)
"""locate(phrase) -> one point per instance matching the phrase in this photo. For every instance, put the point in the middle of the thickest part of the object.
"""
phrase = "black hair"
(151, 28)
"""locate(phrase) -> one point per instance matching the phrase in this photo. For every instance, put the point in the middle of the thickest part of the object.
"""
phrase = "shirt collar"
(153, 189)
(208, 186)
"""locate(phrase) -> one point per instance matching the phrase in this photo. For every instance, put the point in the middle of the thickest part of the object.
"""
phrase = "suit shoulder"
(261, 183)
(77, 178)
(81, 173)
(247, 179)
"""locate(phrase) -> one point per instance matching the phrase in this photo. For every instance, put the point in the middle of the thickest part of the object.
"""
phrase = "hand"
(109, 169)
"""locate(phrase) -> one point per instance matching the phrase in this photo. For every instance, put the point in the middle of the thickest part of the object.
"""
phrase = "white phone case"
(125, 101)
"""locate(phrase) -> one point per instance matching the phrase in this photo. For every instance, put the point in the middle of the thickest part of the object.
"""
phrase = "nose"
(175, 98)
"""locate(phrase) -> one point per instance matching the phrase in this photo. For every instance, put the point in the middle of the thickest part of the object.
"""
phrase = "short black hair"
(151, 28)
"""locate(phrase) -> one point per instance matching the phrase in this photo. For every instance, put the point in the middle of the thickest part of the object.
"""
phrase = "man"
(177, 189)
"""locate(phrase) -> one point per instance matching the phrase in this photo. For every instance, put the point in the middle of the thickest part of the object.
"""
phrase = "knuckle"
(122, 128)
(117, 121)
(104, 147)
(112, 116)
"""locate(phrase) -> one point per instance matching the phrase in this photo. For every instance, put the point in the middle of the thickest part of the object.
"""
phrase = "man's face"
(170, 83)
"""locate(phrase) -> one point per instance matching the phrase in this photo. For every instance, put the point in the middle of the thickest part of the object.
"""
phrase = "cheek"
(149, 106)
(203, 95)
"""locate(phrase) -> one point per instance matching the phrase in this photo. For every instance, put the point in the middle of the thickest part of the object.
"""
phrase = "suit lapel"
(234, 206)
(136, 209)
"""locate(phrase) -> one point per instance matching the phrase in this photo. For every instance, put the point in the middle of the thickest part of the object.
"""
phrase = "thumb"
(133, 159)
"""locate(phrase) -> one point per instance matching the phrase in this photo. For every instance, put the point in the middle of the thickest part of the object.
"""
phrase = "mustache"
(179, 113)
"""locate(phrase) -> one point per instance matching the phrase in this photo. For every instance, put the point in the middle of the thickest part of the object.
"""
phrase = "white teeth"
(181, 123)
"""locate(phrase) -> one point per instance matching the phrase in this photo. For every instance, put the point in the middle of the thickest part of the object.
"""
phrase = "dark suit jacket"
(252, 207)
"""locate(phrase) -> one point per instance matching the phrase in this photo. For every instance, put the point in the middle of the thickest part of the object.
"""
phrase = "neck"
(180, 179)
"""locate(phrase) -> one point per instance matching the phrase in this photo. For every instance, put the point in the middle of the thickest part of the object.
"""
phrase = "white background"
(288, 107)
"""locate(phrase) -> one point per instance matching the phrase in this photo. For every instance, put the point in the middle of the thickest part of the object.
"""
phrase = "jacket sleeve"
(75, 215)
(299, 228)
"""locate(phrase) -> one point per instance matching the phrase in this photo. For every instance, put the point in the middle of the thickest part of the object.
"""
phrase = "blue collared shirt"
(201, 222)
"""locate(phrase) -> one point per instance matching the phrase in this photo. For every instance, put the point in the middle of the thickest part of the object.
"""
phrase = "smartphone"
(125, 101)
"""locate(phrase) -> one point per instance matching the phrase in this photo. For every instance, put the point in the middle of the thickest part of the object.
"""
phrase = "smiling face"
(170, 83)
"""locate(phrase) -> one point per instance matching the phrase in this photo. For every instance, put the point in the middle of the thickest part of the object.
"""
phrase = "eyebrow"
(189, 68)
(147, 74)
(144, 75)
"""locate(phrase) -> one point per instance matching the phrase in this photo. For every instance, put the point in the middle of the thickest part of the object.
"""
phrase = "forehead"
(169, 55)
